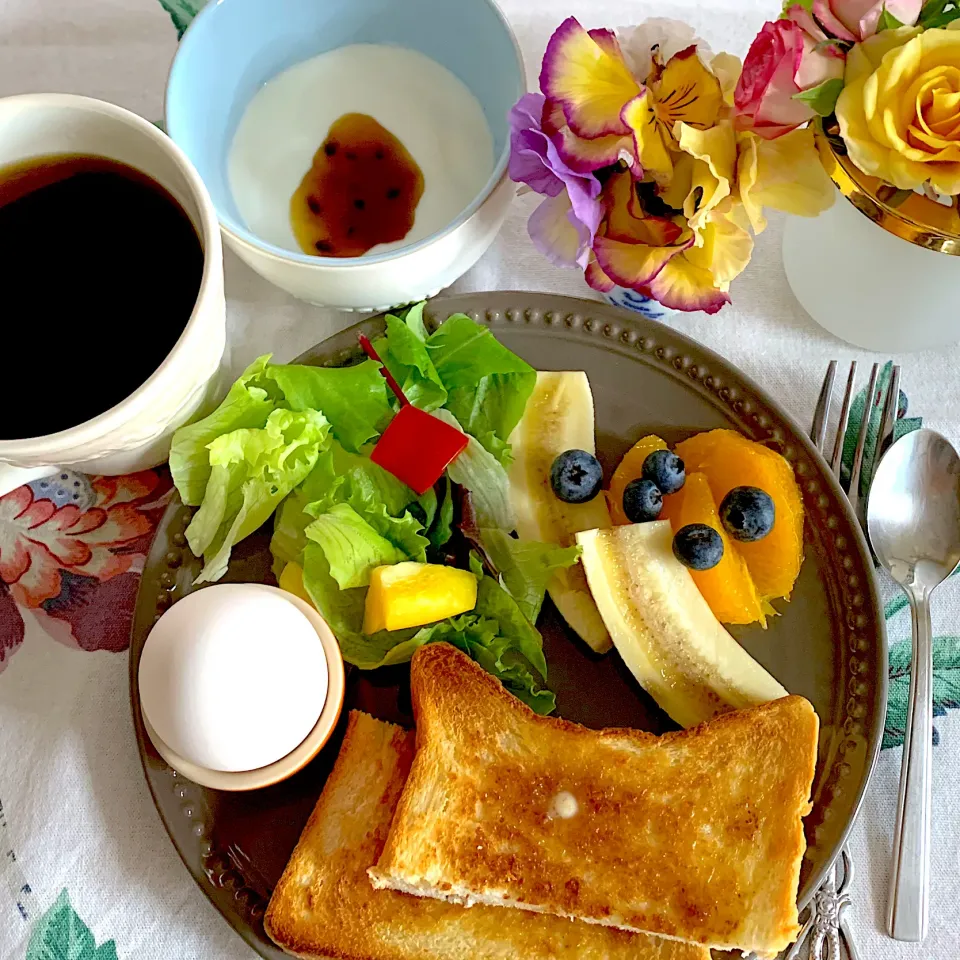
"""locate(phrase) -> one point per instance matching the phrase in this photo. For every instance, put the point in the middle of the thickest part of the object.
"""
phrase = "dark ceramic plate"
(828, 645)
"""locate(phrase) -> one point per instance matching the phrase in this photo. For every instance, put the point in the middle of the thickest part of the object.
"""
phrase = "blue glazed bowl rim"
(240, 232)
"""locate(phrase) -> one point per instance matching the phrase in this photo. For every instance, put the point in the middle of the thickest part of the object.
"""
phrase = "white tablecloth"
(84, 859)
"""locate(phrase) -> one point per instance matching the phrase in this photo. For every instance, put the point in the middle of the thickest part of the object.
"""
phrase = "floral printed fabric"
(71, 551)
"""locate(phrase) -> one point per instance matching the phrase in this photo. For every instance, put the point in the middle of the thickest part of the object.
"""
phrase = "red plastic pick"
(416, 447)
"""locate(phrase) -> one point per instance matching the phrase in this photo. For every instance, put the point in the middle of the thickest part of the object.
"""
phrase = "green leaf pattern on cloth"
(902, 426)
(182, 12)
(946, 686)
(946, 650)
(60, 934)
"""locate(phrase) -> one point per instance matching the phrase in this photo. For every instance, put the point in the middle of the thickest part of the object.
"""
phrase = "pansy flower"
(563, 226)
(652, 115)
(681, 91)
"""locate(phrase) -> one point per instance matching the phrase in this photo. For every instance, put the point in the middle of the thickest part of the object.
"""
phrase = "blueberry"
(642, 501)
(665, 469)
(747, 514)
(698, 546)
(576, 476)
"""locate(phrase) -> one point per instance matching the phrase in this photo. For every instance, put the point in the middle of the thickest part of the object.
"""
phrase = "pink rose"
(783, 60)
(856, 20)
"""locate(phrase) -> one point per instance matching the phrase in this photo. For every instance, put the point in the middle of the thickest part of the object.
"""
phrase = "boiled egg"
(233, 677)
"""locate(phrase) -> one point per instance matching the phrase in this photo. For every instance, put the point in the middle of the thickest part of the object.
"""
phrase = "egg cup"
(301, 755)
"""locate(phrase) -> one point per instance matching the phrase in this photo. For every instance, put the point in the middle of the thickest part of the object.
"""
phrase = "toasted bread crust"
(695, 835)
(325, 907)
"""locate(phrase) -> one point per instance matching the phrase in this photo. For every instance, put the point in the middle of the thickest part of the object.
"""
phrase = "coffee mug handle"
(12, 477)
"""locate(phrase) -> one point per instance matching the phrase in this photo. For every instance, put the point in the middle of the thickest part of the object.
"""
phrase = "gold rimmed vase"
(881, 268)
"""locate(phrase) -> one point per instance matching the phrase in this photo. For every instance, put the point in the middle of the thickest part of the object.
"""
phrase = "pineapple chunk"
(411, 594)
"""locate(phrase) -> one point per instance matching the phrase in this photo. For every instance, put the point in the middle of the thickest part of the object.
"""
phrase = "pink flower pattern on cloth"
(71, 551)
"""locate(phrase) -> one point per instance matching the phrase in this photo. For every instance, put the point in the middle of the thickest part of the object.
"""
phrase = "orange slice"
(728, 587)
(629, 468)
(730, 460)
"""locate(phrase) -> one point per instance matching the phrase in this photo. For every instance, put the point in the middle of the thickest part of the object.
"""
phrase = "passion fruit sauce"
(362, 190)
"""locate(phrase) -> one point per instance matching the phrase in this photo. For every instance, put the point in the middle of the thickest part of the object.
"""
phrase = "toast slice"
(325, 906)
(694, 835)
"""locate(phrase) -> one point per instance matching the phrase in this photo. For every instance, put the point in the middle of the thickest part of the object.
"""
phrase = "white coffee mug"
(134, 434)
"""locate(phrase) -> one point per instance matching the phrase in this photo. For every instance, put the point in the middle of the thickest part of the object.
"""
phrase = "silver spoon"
(913, 518)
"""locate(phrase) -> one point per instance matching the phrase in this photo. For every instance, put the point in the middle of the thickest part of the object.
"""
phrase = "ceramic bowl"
(299, 757)
(233, 47)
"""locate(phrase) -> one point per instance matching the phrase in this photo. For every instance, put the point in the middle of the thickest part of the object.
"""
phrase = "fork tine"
(854, 494)
(818, 432)
(889, 418)
(837, 458)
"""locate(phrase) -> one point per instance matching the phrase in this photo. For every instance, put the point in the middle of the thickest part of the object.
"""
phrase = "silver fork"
(825, 927)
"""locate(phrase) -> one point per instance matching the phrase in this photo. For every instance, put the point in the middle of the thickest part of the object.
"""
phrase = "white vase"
(881, 268)
(869, 287)
(638, 303)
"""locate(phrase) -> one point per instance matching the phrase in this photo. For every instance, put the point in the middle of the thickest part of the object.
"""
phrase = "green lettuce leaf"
(377, 496)
(343, 611)
(479, 471)
(526, 566)
(351, 545)
(494, 603)
(289, 539)
(488, 386)
(404, 532)
(251, 471)
(414, 321)
(425, 508)
(481, 638)
(341, 474)
(475, 565)
(500, 659)
(353, 399)
(405, 354)
(247, 405)
(441, 526)
(495, 634)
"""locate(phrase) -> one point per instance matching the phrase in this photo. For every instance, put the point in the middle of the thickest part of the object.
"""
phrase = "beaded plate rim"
(234, 887)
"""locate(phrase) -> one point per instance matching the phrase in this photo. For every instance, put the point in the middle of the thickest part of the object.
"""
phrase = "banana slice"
(663, 628)
(558, 417)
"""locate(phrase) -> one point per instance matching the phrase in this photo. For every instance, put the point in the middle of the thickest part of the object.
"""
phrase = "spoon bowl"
(913, 519)
(913, 515)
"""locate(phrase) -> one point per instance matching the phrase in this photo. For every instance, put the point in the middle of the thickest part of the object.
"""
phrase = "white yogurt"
(420, 102)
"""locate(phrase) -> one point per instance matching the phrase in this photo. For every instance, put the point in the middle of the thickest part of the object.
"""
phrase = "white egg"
(233, 677)
(431, 111)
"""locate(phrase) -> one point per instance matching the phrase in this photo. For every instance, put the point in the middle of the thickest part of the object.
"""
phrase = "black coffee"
(99, 272)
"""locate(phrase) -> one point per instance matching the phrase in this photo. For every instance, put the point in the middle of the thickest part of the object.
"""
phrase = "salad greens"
(441, 522)
(480, 472)
(488, 386)
(295, 441)
(354, 399)
(351, 545)
(247, 405)
(405, 353)
(251, 471)
(525, 566)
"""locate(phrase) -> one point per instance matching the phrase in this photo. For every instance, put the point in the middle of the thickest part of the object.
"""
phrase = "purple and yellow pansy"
(648, 182)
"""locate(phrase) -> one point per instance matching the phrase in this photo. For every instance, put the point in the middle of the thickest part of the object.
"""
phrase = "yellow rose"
(899, 111)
